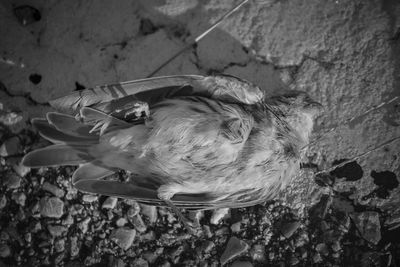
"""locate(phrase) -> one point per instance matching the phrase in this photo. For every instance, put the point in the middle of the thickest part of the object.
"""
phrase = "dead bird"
(202, 142)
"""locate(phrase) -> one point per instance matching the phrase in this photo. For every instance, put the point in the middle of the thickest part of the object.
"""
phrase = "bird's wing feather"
(153, 90)
(149, 195)
(91, 171)
(56, 155)
(54, 135)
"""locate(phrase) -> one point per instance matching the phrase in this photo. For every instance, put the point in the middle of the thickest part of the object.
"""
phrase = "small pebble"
(59, 245)
(5, 251)
(235, 228)
(207, 246)
(51, 207)
(322, 248)
(138, 223)
(257, 253)
(123, 237)
(218, 215)
(90, 198)
(74, 248)
(57, 230)
(150, 212)
(10, 147)
(84, 225)
(289, 228)
(55, 190)
(234, 248)
(20, 169)
(110, 203)
(19, 198)
(12, 181)
(3, 202)
(121, 222)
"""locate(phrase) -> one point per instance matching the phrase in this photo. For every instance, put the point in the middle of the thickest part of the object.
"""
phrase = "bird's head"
(297, 109)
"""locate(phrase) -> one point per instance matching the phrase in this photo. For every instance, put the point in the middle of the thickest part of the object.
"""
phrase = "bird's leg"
(165, 193)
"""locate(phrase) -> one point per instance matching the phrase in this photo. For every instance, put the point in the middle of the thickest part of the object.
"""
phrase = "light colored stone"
(89, 198)
(57, 230)
(218, 215)
(150, 212)
(51, 207)
(123, 237)
(55, 190)
(234, 248)
(109, 203)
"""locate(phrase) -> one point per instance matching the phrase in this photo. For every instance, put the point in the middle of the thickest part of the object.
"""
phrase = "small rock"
(218, 215)
(27, 14)
(10, 118)
(317, 258)
(56, 230)
(133, 210)
(110, 203)
(242, 264)
(59, 245)
(121, 222)
(150, 257)
(287, 229)
(55, 190)
(207, 246)
(322, 248)
(5, 251)
(68, 220)
(234, 248)
(139, 262)
(257, 253)
(150, 236)
(19, 198)
(10, 147)
(207, 231)
(90, 198)
(196, 216)
(150, 212)
(123, 237)
(138, 223)
(115, 262)
(368, 225)
(336, 246)
(12, 181)
(235, 228)
(74, 248)
(84, 225)
(21, 170)
(3, 202)
(51, 207)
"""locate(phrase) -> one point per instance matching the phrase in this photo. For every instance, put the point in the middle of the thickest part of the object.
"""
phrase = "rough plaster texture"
(344, 53)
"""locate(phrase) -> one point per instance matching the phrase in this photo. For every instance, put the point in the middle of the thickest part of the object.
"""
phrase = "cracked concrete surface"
(344, 53)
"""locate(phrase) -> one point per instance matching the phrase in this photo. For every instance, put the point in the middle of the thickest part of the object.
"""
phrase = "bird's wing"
(109, 98)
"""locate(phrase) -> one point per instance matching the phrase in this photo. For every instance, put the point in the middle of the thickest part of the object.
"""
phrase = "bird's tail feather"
(91, 171)
(57, 155)
(56, 136)
(68, 124)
